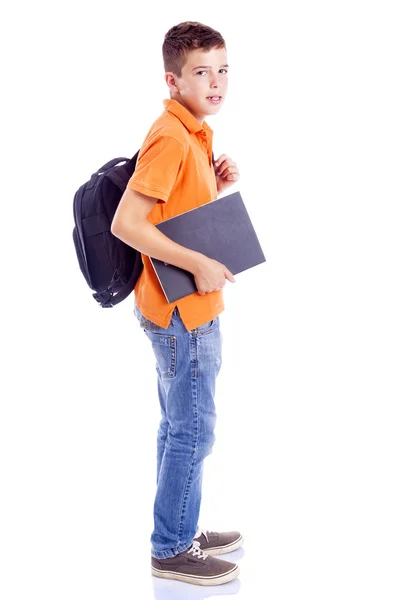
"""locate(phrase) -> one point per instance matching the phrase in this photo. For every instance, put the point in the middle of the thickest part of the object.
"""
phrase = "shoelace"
(204, 532)
(196, 551)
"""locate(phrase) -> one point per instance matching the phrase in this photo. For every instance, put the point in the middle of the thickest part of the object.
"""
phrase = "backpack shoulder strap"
(122, 175)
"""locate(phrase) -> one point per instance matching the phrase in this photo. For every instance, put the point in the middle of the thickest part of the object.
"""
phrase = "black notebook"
(221, 230)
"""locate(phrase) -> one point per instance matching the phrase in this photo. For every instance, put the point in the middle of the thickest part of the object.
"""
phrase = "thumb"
(229, 276)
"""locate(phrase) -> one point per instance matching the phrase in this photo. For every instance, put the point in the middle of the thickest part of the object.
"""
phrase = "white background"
(306, 460)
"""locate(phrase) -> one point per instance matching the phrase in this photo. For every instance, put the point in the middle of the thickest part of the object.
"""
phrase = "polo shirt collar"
(184, 115)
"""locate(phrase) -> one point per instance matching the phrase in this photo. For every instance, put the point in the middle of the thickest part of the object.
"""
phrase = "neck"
(178, 98)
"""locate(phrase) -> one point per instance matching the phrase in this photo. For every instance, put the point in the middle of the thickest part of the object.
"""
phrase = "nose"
(214, 83)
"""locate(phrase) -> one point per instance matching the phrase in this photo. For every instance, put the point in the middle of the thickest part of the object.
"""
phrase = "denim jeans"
(187, 365)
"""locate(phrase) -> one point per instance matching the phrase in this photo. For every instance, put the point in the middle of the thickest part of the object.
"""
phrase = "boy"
(174, 174)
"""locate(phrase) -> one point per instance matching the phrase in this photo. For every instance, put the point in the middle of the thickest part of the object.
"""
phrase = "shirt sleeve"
(157, 167)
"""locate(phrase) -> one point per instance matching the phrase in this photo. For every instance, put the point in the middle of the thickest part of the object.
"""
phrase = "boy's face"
(205, 74)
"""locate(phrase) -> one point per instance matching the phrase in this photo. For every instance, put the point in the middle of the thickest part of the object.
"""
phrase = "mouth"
(215, 99)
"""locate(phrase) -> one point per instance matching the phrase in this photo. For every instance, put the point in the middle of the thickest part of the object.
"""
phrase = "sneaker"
(195, 566)
(214, 543)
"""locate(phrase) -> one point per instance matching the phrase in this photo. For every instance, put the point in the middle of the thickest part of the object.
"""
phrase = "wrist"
(197, 262)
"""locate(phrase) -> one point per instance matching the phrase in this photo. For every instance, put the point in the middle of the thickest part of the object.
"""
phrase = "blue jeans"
(187, 364)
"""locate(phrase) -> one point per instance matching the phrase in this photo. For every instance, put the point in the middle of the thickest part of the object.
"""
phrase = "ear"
(171, 82)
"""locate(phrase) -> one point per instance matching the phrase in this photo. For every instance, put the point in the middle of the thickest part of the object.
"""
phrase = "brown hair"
(187, 36)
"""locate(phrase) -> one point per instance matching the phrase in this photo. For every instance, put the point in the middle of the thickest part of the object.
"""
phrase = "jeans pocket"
(207, 327)
(164, 348)
(144, 323)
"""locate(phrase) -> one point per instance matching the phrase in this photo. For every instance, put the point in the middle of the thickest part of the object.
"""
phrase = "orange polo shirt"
(175, 166)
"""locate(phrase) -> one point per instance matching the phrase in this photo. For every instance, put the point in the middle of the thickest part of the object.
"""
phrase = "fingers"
(220, 160)
(229, 276)
(222, 163)
(228, 170)
(230, 173)
(210, 292)
(233, 176)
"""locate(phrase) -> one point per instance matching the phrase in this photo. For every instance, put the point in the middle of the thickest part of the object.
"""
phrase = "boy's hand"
(226, 172)
(210, 275)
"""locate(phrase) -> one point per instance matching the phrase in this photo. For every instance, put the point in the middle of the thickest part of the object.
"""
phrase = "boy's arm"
(130, 224)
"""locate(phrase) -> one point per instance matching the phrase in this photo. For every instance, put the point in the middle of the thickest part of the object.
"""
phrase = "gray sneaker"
(195, 566)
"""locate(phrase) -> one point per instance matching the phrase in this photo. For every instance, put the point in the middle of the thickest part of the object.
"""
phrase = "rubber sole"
(196, 579)
(224, 549)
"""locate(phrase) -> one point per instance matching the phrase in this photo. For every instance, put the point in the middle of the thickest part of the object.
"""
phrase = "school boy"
(174, 174)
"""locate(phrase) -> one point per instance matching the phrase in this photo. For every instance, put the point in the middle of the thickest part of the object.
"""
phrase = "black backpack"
(111, 267)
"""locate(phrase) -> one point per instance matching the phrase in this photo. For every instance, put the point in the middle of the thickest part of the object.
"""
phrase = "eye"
(198, 72)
